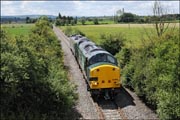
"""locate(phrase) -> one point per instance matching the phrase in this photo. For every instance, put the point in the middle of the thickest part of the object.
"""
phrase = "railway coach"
(99, 67)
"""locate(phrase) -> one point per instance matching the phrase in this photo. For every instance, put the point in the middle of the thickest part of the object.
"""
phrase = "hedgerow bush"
(153, 72)
(112, 43)
(34, 84)
(72, 31)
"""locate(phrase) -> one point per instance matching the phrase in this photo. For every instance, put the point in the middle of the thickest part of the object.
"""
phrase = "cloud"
(6, 2)
(82, 8)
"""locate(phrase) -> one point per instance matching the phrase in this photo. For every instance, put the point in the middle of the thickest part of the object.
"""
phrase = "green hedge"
(34, 84)
(153, 72)
(113, 43)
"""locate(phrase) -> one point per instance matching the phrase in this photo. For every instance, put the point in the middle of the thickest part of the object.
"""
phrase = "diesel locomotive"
(99, 67)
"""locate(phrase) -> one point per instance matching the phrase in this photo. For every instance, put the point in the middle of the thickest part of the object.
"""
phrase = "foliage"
(127, 17)
(30, 20)
(95, 21)
(153, 72)
(34, 84)
(159, 18)
(70, 31)
(65, 20)
(83, 21)
(124, 57)
(113, 43)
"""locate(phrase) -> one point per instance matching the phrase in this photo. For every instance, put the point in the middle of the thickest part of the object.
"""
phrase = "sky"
(82, 8)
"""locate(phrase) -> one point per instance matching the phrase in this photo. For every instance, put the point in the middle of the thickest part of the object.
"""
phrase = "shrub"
(95, 21)
(153, 72)
(124, 57)
(113, 43)
(77, 31)
(34, 84)
(69, 31)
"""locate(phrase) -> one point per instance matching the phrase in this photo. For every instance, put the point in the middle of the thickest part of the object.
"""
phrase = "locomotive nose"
(104, 76)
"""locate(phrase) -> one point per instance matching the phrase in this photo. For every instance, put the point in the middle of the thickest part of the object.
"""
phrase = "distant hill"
(22, 18)
(31, 16)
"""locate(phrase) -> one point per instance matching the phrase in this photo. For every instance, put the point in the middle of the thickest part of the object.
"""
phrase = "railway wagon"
(99, 67)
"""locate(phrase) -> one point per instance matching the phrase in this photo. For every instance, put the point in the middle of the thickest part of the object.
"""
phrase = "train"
(99, 67)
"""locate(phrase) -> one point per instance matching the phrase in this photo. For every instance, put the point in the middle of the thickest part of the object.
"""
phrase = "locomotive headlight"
(94, 83)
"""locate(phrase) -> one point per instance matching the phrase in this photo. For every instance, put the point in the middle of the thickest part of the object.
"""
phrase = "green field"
(134, 33)
(100, 22)
(17, 29)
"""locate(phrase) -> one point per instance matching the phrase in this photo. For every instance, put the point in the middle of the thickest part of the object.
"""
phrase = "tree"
(75, 21)
(64, 17)
(83, 21)
(95, 21)
(159, 18)
(59, 16)
(127, 17)
(27, 19)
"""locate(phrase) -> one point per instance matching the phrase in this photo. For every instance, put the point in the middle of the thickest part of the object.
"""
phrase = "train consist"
(99, 67)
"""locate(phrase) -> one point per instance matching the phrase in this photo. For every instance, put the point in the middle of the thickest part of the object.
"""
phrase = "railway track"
(109, 110)
(62, 37)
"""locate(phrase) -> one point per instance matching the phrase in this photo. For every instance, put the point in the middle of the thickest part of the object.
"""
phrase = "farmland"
(134, 33)
(17, 29)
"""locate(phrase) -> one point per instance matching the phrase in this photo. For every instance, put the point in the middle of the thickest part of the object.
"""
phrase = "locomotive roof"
(77, 38)
(88, 47)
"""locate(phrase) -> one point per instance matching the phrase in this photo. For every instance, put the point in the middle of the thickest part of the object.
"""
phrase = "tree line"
(69, 20)
(133, 18)
(123, 18)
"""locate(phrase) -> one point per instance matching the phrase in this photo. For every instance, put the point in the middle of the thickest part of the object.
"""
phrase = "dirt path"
(127, 100)
(85, 104)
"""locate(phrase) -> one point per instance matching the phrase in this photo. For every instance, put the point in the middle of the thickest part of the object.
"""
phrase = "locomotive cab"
(103, 72)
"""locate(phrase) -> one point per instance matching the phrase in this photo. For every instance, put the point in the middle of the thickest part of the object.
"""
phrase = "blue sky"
(82, 8)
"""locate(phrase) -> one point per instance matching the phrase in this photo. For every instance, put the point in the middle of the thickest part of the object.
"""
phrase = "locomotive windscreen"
(102, 58)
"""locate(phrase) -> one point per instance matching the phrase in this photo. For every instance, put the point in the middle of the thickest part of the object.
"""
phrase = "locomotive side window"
(110, 59)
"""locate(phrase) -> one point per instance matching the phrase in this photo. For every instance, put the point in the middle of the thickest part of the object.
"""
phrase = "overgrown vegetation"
(70, 31)
(153, 72)
(34, 83)
(112, 43)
